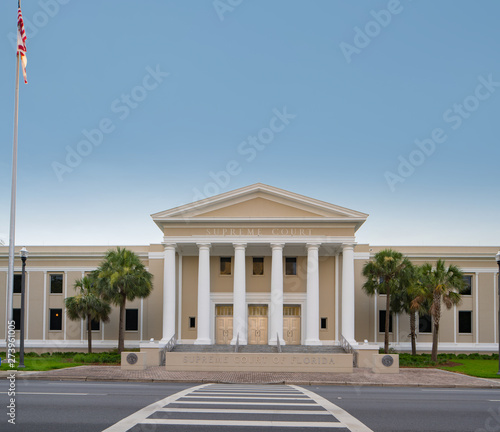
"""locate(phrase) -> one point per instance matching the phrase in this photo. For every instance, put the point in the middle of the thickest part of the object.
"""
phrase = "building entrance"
(223, 324)
(257, 325)
(291, 325)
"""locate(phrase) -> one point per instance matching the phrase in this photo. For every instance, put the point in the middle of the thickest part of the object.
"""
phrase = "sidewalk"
(408, 377)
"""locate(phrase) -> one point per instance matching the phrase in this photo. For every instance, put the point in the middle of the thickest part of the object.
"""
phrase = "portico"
(257, 252)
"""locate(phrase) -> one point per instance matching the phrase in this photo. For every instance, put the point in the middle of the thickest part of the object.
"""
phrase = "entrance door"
(291, 325)
(257, 325)
(223, 324)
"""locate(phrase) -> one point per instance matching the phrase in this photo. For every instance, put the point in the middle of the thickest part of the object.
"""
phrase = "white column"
(239, 295)
(203, 324)
(348, 292)
(168, 293)
(312, 307)
(276, 327)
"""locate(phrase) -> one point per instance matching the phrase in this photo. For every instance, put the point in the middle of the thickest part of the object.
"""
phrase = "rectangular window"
(468, 285)
(258, 266)
(56, 283)
(17, 283)
(95, 325)
(381, 322)
(225, 266)
(132, 319)
(192, 322)
(465, 321)
(324, 323)
(290, 266)
(16, 316)
(55, 316)
(425, 324)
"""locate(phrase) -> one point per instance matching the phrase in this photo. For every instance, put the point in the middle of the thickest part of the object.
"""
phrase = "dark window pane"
(258, 266)
(225, 265)
(132, 319)
(55, 319)
(95, 325)
(425, 324)
(56, 284)
(381, 322)
(468, 285)
(17, 318)
(17, 283)
(192, 322)
(465, 321)
(324, 322)
(290, 266)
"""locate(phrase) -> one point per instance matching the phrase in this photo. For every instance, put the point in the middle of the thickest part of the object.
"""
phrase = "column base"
(202, 342)
(274, 342)
(313, 342)
(240, 342)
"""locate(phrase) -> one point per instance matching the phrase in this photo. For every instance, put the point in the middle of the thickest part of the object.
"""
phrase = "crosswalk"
(241, 407)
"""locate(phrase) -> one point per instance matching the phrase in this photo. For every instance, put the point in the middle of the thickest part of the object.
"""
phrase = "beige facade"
(255, 265)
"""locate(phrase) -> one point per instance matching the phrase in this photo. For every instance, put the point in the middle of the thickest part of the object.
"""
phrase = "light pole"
(24, 255)
(498, 286)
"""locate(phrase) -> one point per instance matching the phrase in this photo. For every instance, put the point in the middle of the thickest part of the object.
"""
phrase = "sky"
(383, 106)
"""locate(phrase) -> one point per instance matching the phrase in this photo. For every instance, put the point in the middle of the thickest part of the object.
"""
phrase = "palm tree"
(87, 305)
(122, 276)
(441, 284)
(385, 274)
(402, 301)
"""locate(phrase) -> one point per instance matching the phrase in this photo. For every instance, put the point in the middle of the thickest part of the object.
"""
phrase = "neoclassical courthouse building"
(254, 264)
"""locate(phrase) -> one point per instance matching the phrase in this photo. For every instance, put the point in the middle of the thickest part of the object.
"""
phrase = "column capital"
(313, 245)
(348, 246)
(204, 245)
(239, 245)
(170, 246)
(277, 245)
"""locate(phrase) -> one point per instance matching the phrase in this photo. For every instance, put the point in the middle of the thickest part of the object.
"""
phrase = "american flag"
(21, 41)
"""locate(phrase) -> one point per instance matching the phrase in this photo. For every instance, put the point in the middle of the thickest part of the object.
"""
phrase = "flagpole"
(12, 241)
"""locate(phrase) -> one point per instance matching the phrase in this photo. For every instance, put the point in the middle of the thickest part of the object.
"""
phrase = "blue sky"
(135, 107)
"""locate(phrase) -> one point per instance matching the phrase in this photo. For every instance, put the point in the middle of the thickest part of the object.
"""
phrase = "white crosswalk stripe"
(253, 407)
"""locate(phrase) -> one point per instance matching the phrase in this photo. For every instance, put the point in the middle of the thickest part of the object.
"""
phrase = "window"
(468, 285)
(465, 321)
(290, 266)
(56, 283)
(258, 266)
(425, 324)
(132, 319)
(225, 266)
(381, 322)
(55, 317)
(324, 323)
(192, 322)
(95, 325)
(16, 316)
(17, 283)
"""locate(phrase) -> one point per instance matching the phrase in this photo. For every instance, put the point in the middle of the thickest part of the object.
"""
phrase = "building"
(256, 264)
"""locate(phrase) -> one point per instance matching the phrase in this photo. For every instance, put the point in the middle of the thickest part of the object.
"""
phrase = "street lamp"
(498, 286)
(24, 255)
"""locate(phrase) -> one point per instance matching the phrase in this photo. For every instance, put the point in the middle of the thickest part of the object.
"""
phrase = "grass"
(49, 361)
(478, 365)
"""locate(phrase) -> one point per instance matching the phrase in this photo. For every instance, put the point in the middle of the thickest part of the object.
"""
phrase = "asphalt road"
(50, 406)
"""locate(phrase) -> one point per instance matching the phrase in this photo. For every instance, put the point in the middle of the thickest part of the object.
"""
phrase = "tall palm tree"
(441, 284)
(402, 301)
(386, 273)
(87, 304)
(122, 276)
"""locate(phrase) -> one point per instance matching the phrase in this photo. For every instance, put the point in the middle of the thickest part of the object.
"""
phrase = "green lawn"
(478, 368)
(47, 361)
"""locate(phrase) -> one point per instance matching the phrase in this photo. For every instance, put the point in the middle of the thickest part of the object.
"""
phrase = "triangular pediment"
(259, 202)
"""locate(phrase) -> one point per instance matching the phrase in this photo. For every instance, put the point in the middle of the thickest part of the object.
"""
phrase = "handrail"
(236, 346)
(167, 348)
(278, 344)
(346, 346)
